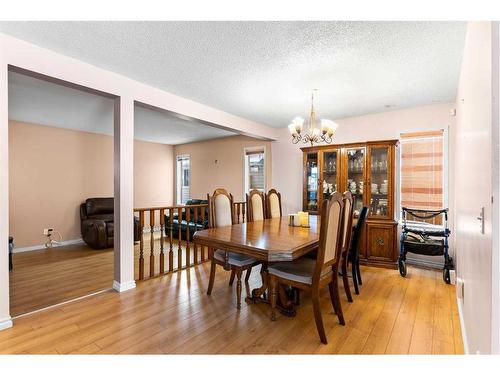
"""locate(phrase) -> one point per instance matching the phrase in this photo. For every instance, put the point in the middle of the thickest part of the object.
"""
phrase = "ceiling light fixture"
(315, 133)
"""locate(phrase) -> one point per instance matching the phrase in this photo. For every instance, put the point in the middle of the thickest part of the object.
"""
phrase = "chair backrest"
(256, 205)
(221, 209)
(357, 231)
(347, 228)
(273, 203)
(330, 235)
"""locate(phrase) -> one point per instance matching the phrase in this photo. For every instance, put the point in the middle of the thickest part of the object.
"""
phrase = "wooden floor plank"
(399, 342)
(423, 328)
(382, 328)
(457, 330)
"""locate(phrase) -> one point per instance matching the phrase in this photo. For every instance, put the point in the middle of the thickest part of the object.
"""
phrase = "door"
(183, 179)
(330, 172)
(380, 245)
(311, 182)
(380, 182)
(473, 190)
(355, 167)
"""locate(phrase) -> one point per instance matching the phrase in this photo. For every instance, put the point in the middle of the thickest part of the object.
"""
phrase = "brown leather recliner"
(97, 223)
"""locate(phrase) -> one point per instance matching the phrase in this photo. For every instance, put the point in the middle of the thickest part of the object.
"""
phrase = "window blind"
(422, 160)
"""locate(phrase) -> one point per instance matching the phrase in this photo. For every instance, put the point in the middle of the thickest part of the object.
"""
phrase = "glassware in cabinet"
(312, 176)
(379, 181)
(356, 176)
(329, 173)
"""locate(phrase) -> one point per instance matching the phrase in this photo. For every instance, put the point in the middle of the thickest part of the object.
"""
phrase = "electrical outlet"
(453, 277)
(48, 231)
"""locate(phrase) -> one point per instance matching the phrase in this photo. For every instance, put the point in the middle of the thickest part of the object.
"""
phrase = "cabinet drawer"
(380, 242)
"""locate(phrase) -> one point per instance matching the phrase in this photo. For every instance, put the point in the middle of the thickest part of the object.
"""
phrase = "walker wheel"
(402, 267)
(446, 276)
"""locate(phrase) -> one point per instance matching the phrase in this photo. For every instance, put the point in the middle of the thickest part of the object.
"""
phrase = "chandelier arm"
(327, 139)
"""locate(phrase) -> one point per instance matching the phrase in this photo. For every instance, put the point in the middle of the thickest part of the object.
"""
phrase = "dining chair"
(354, 249)
(273, 204)
(313, 274)
(221, 213)
(256, 205)
(346, 241)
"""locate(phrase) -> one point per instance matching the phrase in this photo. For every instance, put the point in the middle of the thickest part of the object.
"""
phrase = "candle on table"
(304, 219)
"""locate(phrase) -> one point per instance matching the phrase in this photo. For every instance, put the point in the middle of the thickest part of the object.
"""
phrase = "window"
(423, 160)
(183, 179)
(254, 169)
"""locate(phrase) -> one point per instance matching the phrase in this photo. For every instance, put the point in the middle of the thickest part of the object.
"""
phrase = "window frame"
(246, 180)
(179, 178)
(445, 171)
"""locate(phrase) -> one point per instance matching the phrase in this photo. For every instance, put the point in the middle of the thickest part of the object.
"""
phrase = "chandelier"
(315, 133)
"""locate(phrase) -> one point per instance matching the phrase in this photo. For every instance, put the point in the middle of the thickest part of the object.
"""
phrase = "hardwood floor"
(173, 314)
(47, 277)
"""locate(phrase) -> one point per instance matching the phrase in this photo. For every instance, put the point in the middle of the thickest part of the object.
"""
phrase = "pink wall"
(53, 170)
(287, 158)
(228, 172)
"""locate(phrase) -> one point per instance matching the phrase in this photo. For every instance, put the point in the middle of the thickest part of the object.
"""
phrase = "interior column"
(5, 320)
(124, 194)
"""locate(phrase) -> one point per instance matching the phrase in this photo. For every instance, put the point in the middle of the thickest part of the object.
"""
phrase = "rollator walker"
(419, 236)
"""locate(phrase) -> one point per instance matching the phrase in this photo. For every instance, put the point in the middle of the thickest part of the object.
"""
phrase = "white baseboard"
(462, 327)
(123, 287)
(5, 324)
(42, 247)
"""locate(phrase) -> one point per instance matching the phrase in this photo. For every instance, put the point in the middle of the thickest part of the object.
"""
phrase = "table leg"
(259, 294)
(285, 305)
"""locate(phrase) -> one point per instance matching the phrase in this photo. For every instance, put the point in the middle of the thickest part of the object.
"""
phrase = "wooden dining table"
(269, 240)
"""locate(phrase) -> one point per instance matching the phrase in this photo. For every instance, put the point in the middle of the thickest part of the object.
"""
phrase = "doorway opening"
(61, 191)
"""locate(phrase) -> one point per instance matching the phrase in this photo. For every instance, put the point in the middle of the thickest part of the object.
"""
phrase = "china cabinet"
(367, 170)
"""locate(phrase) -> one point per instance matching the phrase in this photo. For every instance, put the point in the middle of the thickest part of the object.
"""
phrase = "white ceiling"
(39, 102)
(264, 71)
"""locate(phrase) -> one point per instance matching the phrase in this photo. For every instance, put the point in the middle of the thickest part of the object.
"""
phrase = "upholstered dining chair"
(256, 205)
(273, 204)
(313, 274)
(346, 241)
(221, 213)
(354, 249)
(256, 211)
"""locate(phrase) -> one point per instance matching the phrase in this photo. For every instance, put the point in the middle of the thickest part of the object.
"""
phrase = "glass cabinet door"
(356, 177)
(312, 176)
(379, 181)
(329, 177)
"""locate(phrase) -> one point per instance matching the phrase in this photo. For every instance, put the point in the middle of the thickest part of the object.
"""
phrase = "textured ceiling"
(264, 71)
(39, 102)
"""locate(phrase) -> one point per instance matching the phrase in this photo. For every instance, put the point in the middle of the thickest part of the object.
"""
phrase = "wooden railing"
(165, 242)
(240, 212)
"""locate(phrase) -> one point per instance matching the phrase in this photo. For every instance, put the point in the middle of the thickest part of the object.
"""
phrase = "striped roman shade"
(422, 171)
